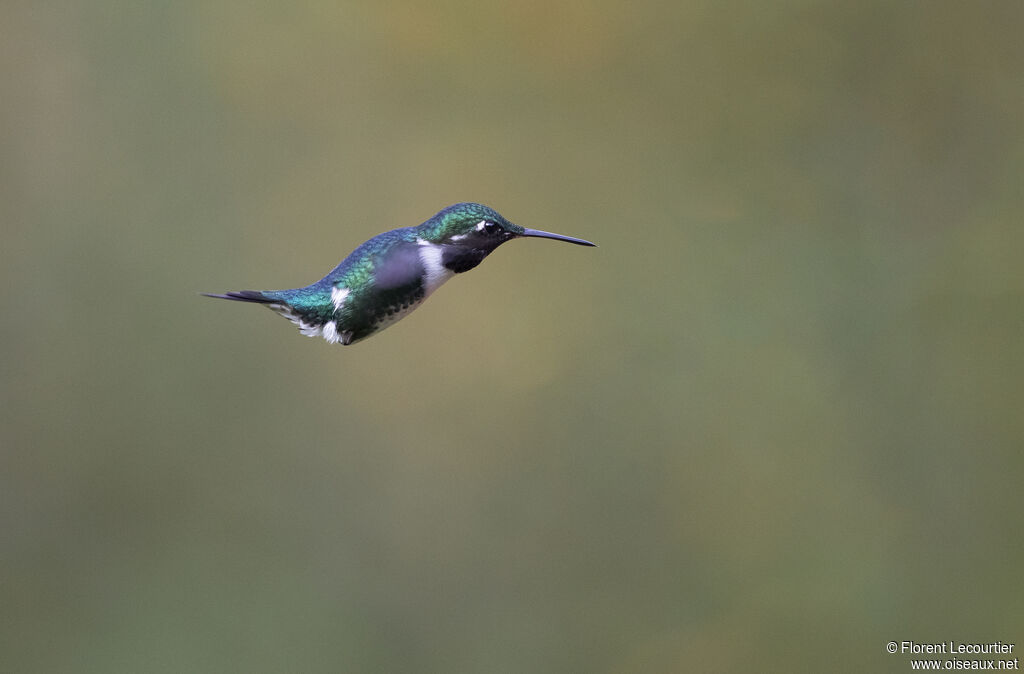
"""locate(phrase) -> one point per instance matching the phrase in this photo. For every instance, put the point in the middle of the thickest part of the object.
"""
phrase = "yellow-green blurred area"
(773, 422)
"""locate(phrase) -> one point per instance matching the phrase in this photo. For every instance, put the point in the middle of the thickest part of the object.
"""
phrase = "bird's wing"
(398, 267)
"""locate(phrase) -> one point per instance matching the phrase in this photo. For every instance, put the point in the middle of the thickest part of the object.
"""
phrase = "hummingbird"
(387, 277)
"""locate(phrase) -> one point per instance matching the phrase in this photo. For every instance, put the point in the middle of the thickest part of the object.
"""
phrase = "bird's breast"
(435, 273)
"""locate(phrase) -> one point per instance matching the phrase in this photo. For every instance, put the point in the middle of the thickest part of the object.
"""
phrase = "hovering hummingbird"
(386, 278)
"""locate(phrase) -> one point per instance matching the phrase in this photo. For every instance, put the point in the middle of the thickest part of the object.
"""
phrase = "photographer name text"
(954, 647)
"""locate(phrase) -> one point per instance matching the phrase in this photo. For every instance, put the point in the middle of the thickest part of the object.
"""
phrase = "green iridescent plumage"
(460, 218)
(388, 276)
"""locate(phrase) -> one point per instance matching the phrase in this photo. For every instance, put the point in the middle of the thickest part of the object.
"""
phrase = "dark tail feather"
(244, 296)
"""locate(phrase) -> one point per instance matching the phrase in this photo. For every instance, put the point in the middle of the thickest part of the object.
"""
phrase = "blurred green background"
(772, 423)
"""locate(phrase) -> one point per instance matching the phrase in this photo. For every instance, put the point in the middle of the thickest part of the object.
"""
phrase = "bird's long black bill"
(557, 237)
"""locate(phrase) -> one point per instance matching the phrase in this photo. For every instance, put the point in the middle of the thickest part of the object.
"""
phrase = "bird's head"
(479, 227)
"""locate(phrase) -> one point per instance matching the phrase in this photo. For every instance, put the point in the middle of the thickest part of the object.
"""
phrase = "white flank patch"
(330, 332)
(338, 297)
(308, 329)
(434, 271)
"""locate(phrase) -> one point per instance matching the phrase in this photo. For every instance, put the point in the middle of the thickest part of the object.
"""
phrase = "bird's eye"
(491, 228)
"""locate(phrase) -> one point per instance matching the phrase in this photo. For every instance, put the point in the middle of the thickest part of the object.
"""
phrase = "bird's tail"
(244, 296)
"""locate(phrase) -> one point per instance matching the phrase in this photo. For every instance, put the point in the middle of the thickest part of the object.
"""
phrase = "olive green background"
(773, 422)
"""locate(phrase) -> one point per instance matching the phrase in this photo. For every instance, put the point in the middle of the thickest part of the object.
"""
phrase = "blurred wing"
(399, 267)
